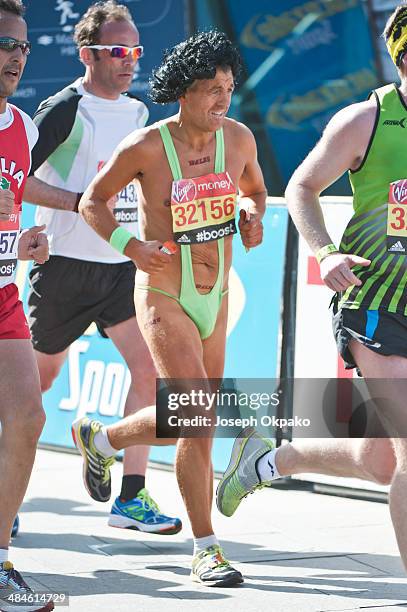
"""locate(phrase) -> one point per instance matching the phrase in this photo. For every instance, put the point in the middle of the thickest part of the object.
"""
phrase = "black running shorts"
(379, 330)
(67, 295)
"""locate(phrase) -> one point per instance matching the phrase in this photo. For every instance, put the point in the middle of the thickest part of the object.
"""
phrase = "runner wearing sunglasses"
(79, 128)
(11, 44)
(120, 51)
(21, 413)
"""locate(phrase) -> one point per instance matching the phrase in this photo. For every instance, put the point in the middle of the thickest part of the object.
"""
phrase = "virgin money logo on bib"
(398, 192)
(183, 190)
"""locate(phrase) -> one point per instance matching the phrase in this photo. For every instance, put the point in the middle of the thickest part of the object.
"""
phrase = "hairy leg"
(22, 419)
(130, 343)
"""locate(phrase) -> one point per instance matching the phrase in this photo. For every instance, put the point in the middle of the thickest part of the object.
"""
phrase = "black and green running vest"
(384, 281)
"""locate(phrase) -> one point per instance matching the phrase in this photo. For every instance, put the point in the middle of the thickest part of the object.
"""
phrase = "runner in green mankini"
(188, 169)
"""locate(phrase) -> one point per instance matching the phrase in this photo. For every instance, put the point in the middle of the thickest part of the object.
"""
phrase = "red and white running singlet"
(15, 162)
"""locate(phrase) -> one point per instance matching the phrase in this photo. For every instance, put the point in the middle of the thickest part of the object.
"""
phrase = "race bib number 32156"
(203, 208)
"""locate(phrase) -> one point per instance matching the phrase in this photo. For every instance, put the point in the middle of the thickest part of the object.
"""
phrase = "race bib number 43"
(397, 218)
(203, 208)
(126, 208)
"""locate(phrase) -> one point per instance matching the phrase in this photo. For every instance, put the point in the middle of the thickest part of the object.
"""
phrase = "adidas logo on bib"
(184, 238)
(397, 247)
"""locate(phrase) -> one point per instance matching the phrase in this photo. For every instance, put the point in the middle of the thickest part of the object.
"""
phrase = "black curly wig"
(196, 58)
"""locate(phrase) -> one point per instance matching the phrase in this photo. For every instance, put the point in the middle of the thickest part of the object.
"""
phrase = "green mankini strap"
(201, 308)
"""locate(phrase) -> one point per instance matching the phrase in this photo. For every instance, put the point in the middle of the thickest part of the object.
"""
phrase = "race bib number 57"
(397, 218)
(203, 208)
(9, 234)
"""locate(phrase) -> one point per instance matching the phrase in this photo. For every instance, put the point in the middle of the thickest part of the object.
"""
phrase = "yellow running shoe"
(96, 466)
(241, 476)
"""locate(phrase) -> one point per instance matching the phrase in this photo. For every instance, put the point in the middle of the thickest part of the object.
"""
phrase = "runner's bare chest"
(156, 181)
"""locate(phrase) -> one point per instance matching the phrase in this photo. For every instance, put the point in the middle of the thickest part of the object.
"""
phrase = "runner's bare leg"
(22, 419)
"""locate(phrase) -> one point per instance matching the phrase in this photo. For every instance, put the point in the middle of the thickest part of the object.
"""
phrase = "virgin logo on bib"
(397, 218)
(203, 208)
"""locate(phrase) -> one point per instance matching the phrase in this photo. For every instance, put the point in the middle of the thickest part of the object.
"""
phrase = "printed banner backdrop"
(53, 62)
(94, 380)
(305, 60)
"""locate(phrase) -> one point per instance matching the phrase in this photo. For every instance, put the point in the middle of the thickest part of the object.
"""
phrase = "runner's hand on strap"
(6, 202)
(251, 229)
(336, 270)
(33, 245)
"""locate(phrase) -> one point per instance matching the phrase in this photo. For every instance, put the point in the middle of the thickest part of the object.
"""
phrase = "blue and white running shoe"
(143, 514)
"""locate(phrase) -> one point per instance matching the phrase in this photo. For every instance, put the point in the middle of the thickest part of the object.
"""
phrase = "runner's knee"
(26, 421)
(47, 376)
(400, 450)
(33, 420)
(378, 460)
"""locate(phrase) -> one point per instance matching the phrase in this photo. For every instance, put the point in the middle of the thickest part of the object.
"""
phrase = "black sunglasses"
(11, 44)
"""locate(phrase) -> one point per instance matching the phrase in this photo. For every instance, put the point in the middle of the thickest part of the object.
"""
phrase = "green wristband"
(120, 238)
(325, 251)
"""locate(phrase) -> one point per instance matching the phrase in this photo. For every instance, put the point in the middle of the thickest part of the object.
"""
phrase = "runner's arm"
(253, 193)
(126, 164)
(342, 147)
(38, 192)
(252, 190)
(54, 119)
(118, 172)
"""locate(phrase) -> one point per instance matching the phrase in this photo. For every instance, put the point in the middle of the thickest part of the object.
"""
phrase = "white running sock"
(202, 543)
(3, 555)
(266, 466)
(102, 444)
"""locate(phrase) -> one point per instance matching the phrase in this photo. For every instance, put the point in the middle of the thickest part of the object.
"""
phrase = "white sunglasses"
(120, 51)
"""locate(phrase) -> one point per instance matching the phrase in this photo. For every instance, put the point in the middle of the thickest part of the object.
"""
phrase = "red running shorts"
(13, 324)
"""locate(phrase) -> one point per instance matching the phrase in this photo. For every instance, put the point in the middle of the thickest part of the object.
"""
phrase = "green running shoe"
(96, 467)
(210, 567)
(241, 477)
